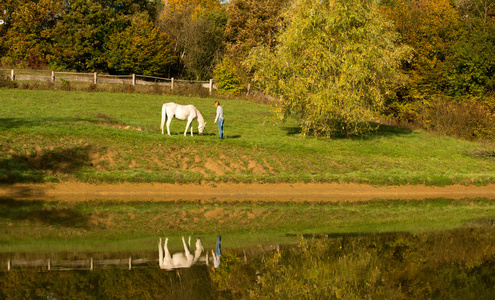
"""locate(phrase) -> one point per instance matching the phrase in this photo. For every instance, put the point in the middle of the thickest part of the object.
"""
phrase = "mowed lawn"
(115, 137)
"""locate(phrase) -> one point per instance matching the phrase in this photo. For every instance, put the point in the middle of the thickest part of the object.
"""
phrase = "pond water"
(454, 264)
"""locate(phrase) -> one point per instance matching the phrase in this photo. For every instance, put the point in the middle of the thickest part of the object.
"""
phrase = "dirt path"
(237, 192)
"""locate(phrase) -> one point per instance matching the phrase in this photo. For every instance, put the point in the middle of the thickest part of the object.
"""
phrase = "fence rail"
(95, 78)
(83, 264)
(91, 264)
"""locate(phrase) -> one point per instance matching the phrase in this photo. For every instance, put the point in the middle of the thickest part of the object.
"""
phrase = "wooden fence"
(95, 78)
(83, 264)
(92, 264)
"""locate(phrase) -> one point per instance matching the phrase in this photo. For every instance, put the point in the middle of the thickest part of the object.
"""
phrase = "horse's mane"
(200, 116)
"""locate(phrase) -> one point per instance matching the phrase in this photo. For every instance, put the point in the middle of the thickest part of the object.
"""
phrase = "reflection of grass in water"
(114, 226)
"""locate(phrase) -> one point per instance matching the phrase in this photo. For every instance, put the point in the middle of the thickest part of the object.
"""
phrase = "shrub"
(470, 119)
(7, 83)
(226, 78)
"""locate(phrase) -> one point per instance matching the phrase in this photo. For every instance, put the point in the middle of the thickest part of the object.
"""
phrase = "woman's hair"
(217, 102)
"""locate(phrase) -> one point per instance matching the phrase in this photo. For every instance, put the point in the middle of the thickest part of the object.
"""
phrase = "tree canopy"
(334, 63)
(332, 66)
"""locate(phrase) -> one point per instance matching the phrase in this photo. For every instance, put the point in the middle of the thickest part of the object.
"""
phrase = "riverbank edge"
(281, 192)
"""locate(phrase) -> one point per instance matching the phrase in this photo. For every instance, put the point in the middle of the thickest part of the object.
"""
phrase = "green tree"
(227, 80)
(472, 68)
(332, 66)
(140, 48)
(80, 36)
(27, 36)
(431, 28)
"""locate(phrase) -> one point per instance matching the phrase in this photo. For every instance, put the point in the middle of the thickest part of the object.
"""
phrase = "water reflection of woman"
(217, 253)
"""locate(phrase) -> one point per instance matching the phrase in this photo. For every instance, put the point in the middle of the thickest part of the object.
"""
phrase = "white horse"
(178, 260)
(181, 112)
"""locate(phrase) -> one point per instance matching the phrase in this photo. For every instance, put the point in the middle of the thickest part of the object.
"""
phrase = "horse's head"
(201, 128)
(199, 249)
(199, 245)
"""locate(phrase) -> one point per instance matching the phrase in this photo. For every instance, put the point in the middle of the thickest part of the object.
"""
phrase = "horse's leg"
(187, 127)
(186, 248)
(168, 257)
(160, 253)
(164, 117)
(168, 123)
(187, 253)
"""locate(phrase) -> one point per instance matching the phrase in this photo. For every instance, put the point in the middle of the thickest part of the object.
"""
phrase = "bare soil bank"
(297, 192)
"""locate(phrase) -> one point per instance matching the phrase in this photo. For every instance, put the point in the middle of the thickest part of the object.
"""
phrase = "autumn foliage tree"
(141, 48)
(196, 29)
(252, 23)
(430, 27)
(332, 66)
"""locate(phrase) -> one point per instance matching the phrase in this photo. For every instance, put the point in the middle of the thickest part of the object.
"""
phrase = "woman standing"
(219, 118)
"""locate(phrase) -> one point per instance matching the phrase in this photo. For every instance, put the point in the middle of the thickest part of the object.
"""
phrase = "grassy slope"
(56, 136)
(48, 135)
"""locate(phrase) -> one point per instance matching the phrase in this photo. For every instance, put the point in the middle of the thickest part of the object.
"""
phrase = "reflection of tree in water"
(459, 263)
(148, 283)
(450, 264)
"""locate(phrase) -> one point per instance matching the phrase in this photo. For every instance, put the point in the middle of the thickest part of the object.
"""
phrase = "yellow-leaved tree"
(333, 65)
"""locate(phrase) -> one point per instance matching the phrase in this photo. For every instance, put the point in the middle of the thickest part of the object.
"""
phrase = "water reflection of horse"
(181, 112)
(178, 260)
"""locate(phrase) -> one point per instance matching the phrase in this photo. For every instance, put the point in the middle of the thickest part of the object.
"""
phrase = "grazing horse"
(178, 260)
(181, 112)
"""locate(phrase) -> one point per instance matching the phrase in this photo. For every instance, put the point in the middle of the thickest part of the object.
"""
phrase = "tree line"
(334, 64)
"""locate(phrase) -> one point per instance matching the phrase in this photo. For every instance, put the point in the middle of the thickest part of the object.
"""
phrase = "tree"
(27, 38)
(472, 68)
(227, 80)
(80, 35)
(431, 28)
(141, 48)
(196, 28)
(252, 23)
(332, 66)
(202, 39)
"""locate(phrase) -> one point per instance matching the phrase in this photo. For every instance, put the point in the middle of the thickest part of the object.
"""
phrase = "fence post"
(53, 76)
(12, 75)
(8, 265)
(91, 264)
(49, 265)
(95, 78)
(172, 83)
(133, 79)
(211, 85)
(130, 263)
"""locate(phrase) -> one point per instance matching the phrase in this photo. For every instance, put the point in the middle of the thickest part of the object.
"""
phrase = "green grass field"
(115, 137)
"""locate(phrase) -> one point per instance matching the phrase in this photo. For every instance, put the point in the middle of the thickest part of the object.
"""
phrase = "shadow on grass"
(351, 234)
(292, 130)
(382, 131)
(34, 167)
(11, 123)
(36, 212)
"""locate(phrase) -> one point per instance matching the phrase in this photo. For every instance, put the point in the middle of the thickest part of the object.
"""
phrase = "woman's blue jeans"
(218, 249)
(220, 126)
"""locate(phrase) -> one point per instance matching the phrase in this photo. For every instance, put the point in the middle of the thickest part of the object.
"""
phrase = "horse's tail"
(164, 117)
